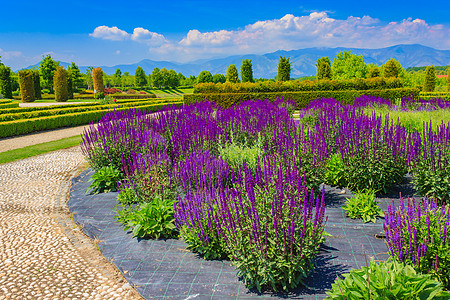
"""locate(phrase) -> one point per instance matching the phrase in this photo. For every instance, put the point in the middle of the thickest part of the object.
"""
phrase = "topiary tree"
(374, 72)
(117, 78)
(448, 79)
(430, 79)
(284, 69)
(75, 74)
(347, 65)
(5, 81)
(37, 84)
(60, 84)
(391, 68)
(69, 84)
(205, 76)
(232, 74)
(47, 69)
(97, 77)
(219, 78)
(140, 79)
(323, 68)
(246, 70)
(26, 85)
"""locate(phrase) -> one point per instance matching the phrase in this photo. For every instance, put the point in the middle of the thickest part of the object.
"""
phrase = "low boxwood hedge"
(24, 126)
(301, 98)
(6, 103)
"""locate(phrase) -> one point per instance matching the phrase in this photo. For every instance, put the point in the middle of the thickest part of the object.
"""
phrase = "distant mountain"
(303, 60)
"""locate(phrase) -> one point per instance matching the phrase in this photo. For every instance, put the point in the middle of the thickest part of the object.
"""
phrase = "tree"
(75, 75)
(88, 78)
(174, 80)
(26, 85)
(219, 78)
(430, 79)
(205, 76)
(347, 65)
(232, 74)
(140, 79)
(47, 68)
(117, 78)
(448, 79)
(5, 81)
(157, 79)
(246, 70)
(374, 71)
(391, 68)
(323, 68)
(97, 78)
(60, 84)
(69, 84)
(36, 84)
(284, 69)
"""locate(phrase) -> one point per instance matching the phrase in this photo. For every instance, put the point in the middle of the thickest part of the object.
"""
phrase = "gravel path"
(43, 255)
(12, 143)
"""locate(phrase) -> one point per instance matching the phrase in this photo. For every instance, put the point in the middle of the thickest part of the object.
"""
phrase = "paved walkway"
(43, 255)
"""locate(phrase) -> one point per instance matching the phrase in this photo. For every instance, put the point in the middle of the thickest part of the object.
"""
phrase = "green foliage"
(153, 219)
(391, 68)
(387, 280)
(430, 79)
(215, 249)
(204, 77)
(219, 78)
(432, 179)
(117, 78)
(363, 206)
(5, 82)
(60, 84)
(232, 74)
(246, 70)
(235, 153)
(347, 65)
(26, 85)
(97, 78)
(157, 79)
(284, 69)
(69, 85)
(140, 79)
(105, 180)
(75, 74)
(374, 72)
(127, 196)
(448, 79)
(335, 171)
(323, 68)
(47, 69)
(37, 85)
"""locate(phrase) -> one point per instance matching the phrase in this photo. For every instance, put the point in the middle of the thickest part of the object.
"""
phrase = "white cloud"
(9, 54)
(109, 33)
(146, 36)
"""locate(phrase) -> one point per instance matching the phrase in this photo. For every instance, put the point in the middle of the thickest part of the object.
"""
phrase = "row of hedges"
(18, 127)
(8, 104)
(301, 98)
(431, 95)
(378, 83)
(92, 96)
(69, 110)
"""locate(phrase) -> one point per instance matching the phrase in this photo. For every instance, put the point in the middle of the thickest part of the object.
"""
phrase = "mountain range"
(303, 61)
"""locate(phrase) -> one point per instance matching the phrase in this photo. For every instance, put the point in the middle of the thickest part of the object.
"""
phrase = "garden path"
(43, 254)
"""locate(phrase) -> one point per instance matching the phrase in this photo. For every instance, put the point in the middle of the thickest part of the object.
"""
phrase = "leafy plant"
(363, 206)
(127, 195)
(105, 180)
(235, 154)
(152, 219)
(387, 280)
(335, 172)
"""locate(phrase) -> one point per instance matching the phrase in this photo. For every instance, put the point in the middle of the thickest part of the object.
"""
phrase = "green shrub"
(60, 84)
(37, 84)
(97, 76)
(5, 82)
(105, 180)
(235, 154)
(127, 196)
(363, 206)
(26, 85)
(335, 171)
(432, 179)
(387, 280)
(430, 79)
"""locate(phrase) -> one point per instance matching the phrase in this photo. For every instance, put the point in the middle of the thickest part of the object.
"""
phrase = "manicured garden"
(246, 184)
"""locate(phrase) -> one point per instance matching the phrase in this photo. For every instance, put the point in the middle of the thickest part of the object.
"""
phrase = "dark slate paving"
(165, 269)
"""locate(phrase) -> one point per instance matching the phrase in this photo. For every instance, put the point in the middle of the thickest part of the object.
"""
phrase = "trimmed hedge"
(378, 83)
(5, 81)
(60, 84)
(69, 110)
(26, 85)
(5, 104)
(132, 96)
(97, 77)
(431, 95)
(301, 98)
(18, 127)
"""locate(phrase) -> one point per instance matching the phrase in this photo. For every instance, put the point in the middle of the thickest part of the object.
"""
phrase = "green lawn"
(163, 93)
(16, 154)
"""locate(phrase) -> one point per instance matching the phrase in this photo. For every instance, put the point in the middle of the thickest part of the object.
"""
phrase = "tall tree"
(232, 74)
(347, 65)
(117, 78)
(205, 76)
(97, 76)
(5, 81)
(47, 68)
(174, 81)
(430, 79)
(246, 70)
(391, 68)
(75, 75)
(157, 79)
(323, 66)
(284, 69)
(140, 79)
(219, 78)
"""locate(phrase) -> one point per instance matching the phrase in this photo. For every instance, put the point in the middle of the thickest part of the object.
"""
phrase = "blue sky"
(119, 32)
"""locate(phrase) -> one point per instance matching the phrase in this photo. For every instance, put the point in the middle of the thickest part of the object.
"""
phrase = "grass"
(163, 93)
(16, 154)
(53, 101)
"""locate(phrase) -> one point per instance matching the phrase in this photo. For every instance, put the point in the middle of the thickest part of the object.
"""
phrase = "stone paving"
(43, 254)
